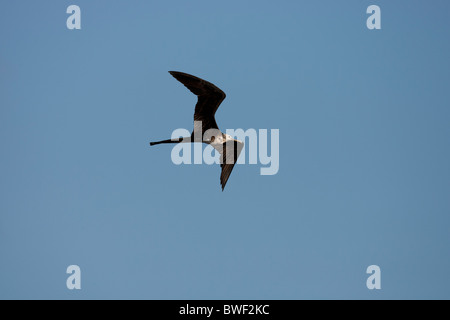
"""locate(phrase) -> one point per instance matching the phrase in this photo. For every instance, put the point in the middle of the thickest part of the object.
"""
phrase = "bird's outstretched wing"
(209, 98)
(230, 153)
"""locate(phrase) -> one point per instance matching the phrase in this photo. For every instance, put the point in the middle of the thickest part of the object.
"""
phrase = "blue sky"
(364, 150)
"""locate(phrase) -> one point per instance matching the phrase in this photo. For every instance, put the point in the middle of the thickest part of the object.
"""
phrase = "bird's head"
(227, 137)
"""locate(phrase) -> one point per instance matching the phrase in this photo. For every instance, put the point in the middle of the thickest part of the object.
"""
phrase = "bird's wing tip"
(176, 74)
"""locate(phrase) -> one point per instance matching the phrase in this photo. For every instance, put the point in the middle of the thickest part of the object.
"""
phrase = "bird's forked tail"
(177, 140)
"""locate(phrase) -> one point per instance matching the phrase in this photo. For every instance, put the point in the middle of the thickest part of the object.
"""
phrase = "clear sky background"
(364, 120)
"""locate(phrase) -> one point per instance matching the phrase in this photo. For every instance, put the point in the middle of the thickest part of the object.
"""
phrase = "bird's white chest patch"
(217, 143)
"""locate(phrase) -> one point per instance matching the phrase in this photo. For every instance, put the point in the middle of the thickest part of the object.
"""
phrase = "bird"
(209, 99)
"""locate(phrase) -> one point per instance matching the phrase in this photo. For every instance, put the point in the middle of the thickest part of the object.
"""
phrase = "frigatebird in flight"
(205, 126)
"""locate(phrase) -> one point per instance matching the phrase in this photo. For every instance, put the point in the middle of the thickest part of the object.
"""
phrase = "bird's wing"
(230, 153)
(209, 98)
